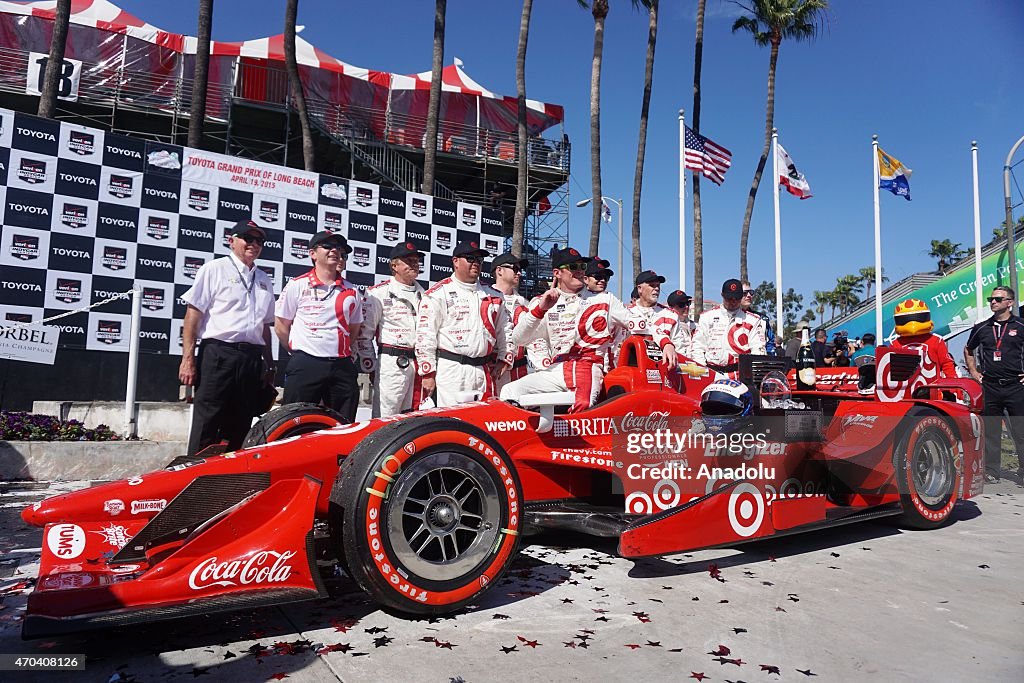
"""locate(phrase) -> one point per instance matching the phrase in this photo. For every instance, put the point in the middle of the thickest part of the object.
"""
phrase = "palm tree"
(844, 292)
(820, 300)
(599, 9)
(698, 235)
(200, 77)
(946, 252)
(298, 95)
(645, 106)
(770, 21)
(55, 62)
(434, 108)
(867, 278)
(522, 185)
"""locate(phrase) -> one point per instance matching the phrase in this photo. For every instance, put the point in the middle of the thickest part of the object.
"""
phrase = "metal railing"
(371, 135)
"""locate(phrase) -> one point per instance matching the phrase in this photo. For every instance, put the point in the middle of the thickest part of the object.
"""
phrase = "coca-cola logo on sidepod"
(264, 567)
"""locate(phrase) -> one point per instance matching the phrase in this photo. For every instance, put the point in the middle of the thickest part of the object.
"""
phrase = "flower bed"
(21, 426)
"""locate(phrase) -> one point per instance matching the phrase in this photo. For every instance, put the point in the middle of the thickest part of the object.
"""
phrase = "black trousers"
(227, 395)
(999, 400)
(334, 381)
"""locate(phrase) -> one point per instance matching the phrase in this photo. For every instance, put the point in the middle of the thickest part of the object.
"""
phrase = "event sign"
(86, 215)
(951, 299)
(30, 343)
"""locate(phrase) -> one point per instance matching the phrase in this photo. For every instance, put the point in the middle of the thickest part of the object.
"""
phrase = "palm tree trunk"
(698, 234)
(434, 108)
(641, 147)
(197, 110)
(298, 95)
(522, 184)
(769, 121)
(600, 11)
(55, 63)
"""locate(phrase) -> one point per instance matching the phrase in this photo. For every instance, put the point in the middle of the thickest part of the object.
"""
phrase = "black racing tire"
(928, 470)
(292, 419)
(431, 513)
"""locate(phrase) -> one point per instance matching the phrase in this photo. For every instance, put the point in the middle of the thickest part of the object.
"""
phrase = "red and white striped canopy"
(272, 48)
(99, 14)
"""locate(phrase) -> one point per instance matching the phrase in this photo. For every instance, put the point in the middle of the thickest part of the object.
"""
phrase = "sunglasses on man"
(473, 259)
(331, 246)
(997, 299)
(600, 275)
(250, 239)
(514, 269)
(574, 267)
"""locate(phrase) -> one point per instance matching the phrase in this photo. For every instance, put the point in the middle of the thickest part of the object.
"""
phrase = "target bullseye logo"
(746, 509)
(639, 503)
(593, 327)
(739, 337)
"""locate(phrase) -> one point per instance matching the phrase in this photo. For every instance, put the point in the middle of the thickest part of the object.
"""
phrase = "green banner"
(951, 299)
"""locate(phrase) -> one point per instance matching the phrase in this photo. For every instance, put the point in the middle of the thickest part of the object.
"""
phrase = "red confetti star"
(279, 675)
(633, 646)
(722, 651)
(770, 668)
(699, 676)
(528, 643)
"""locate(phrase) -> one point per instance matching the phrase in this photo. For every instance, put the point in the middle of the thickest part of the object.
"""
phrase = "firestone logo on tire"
(268, 566)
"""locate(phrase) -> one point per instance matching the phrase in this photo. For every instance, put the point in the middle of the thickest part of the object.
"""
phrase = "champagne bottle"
(805, 376)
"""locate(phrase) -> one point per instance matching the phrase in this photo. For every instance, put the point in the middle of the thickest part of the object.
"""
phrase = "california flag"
(790, 178)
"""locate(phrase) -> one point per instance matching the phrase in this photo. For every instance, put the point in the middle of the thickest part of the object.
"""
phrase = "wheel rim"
(931, 468)
(444, 516)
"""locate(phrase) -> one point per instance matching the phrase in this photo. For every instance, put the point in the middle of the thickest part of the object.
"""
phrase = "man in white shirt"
(317, 320)
(463, 334)
(723, 334)
(578, 325)
(230, 308)
(390, 311)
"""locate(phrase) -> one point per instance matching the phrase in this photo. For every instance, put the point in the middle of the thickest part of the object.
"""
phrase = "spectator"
(317, 319)
(390, 312)
(867, 349)
(840, 353)
(819, 347)
(464, 334)
(999, 344)
(230, 309)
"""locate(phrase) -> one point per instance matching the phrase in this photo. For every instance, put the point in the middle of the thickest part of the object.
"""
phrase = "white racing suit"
(669, 329)
(463, 330)
(579, 329)
(390, 312)
(722, 336)
(640, 321)
(536, 353)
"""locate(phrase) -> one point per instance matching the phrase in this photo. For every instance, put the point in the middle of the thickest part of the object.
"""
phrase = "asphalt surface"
(861, 602)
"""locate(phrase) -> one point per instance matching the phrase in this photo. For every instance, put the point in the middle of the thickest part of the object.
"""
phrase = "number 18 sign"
(67, 81)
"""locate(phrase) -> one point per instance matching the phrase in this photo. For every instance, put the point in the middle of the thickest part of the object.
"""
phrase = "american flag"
(706, 157)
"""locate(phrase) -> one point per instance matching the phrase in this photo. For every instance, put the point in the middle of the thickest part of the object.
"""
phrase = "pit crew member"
(723, 334)
(506, 269)
(579, 326)
(317, 319)
(390, 312)
(463, 336)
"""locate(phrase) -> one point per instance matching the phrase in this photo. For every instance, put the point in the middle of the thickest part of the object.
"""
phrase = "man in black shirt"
(999, 342)
(820, 348)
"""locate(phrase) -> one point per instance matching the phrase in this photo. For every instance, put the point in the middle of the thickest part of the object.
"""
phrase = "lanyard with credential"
(997, 355)
(247, 285)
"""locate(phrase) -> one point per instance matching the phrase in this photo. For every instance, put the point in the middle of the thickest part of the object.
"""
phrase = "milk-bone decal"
(268, 566)
(389, 469)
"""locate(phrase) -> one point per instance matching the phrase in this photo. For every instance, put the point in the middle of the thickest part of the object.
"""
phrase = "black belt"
(520, 362)
(245, 347)
(398, 351)
(731, 367)
(1001, 381)
(464, 360)
(332, 359)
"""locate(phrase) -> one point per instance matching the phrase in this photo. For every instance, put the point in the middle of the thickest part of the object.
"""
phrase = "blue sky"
(928, 76)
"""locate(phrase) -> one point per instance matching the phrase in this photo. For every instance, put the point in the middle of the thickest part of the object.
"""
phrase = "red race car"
(426, 509)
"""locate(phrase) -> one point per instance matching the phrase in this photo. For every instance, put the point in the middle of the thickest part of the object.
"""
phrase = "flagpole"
(977, 232)
(682, 202)
(878, 246)
(778, 237)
